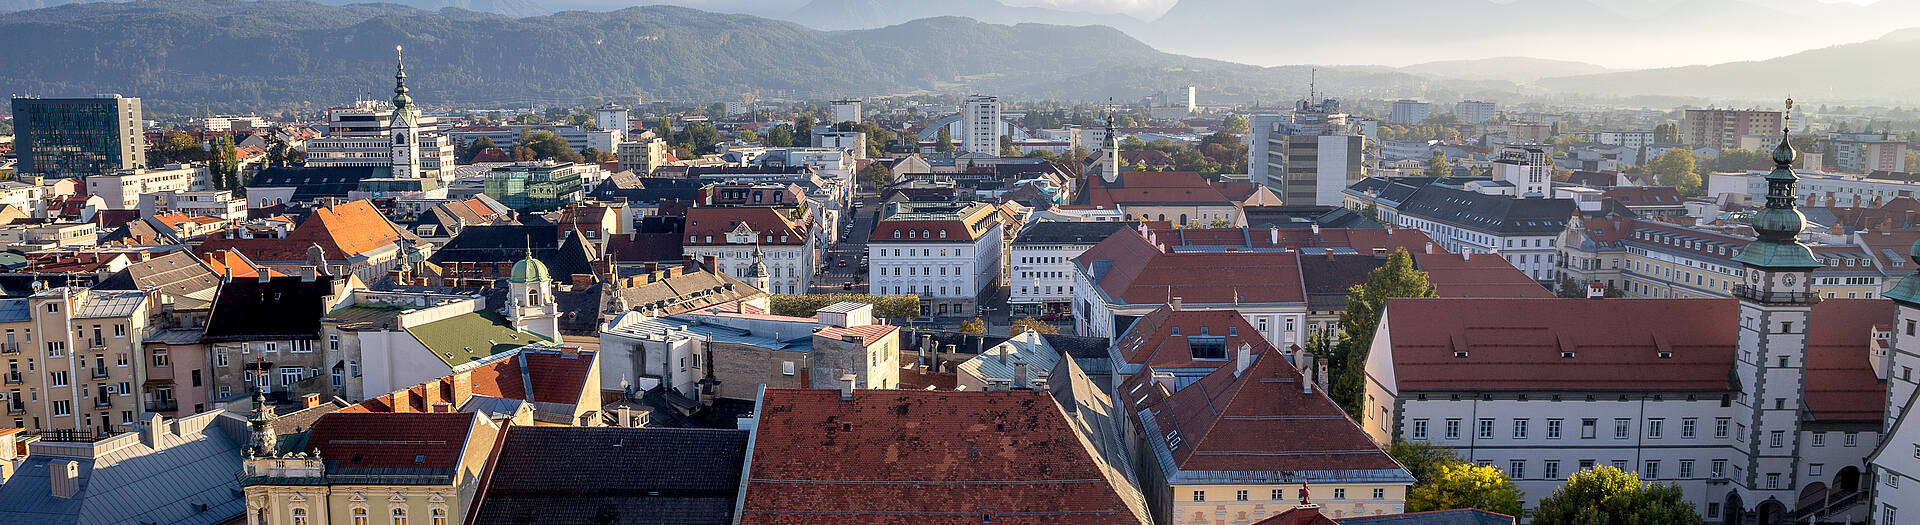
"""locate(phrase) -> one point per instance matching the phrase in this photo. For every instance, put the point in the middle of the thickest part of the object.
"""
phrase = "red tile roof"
(923, 457)
(1483, 276)
(1298, 516)
(1840, 382)
(1129, 268)
(1258, 420)
(556, 377)
(343, 231)
(773, 225)
(364, 440)
(1150, 187)
(1150, 340)
(1517, 344)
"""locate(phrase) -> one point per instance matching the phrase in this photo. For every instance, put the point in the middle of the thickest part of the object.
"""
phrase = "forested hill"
(181, 55)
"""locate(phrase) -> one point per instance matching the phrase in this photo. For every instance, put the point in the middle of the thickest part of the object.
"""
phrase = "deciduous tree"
(1458, 485)
(1606, 496)
(1036, 325)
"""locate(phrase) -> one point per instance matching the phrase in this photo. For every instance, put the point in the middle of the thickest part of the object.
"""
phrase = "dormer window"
(896, 234)
(943, 233)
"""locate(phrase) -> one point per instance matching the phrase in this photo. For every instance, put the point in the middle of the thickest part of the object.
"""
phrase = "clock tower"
(404, 129)
(1776, 304)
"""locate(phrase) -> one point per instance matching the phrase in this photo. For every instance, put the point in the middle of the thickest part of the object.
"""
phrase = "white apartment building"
(1631, 139)
(846, 110)
(980, 125)
(1817, 189)
(26, 197)
(1308, 157)
(1040, 263)
(1475, 111)
(852, 142)
(122, 189)
(206, 203)
(947, 253)
(1410, 112)
(613, 117)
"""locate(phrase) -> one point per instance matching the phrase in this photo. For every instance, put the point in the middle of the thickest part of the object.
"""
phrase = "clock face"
(1753, 277)
(1788, 279)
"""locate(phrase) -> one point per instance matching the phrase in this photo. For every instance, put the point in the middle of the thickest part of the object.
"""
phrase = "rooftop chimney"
(310, 400)
(1316, 228)
(1320, 373)
(150, 431)
(1002, 349)
(1306, 374)
(1466, 254)
(1242, 359)
(1273, 234)
(1020, 381)
(64, 476)
(1175, 302)
(846, 386)
(1429, 247)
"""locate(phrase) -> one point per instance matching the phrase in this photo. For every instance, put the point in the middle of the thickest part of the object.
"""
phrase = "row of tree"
(1595, 496)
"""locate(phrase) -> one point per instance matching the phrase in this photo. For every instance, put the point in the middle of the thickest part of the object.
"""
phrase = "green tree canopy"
(780, 136)
(1035, 325)
(973, 326)
(944, 143)
(1234, 125)
(473, 149)
(546, 145)
(174, 147)
(1422, 459)
(1460, 485)
(1609, 496)
(1675, 167)
(1365, 303)
(1437, 165)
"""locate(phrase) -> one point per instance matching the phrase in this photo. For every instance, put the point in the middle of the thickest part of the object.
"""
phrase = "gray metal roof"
(110, 303)
(14, 311)
(189, 480)
(1028, 347)
(645, 326)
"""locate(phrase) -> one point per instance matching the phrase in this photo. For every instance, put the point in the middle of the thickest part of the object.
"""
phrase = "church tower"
(530, 299)
(1110, 173)
(1776, 304)
(404, 128)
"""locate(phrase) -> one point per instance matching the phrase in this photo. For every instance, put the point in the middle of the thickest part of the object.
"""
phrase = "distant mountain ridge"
(185, 54)
(1870, 70)
(1511, 69)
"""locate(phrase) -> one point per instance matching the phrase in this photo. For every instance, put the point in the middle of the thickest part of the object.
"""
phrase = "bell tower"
(404, 129)
(1776, 305)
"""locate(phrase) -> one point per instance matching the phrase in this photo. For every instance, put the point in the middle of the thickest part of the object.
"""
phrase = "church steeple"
(1110, 172)
(261, 440)
(400, 98)
(1778, 226)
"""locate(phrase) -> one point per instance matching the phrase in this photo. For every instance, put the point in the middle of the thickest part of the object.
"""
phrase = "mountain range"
(182, 55)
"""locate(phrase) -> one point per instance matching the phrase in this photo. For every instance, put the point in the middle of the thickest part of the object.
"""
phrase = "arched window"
(359, 516)
(896, 234)
(925, 234)
(1183, 219)
(943, 233)
(533, 297)
(399, 516)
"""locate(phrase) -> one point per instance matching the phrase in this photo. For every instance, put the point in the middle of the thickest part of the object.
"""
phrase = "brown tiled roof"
(1150, 340)
(343, 231)
(1517, 344)
(554, 376)
(1644, 195)
(1129, 268)
(923, 457)
(1152, 187)
(1840, 382)
(1261, 419)
(772, 225)
(1483, 276)
(1298, 516)
(363, 440)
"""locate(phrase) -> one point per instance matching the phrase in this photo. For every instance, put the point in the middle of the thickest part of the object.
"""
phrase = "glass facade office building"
(78, 136)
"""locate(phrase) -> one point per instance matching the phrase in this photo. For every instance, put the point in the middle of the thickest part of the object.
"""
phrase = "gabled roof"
(397, 443)
(124, 480)
(1148, 188)
(1260, 425)
(1129, 269)
(1498, 214)
(345, 231)
(1151, 340)
(506, 244)
(1617, 345)
(771, 226)
(535, 374)
(631, 475)
(1005, 456)
(284, 308)
(179, 274)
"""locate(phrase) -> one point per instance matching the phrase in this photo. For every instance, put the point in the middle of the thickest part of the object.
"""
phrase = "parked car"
(1058, 316)
(846, 285)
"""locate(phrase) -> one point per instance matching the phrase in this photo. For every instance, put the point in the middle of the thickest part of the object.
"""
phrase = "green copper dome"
(1783, 153)
(1908, 291)
(400, 98)
(528, 270)
(1778, 226)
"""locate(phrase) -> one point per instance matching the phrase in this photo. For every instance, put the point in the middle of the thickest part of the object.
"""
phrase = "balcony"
(1782, 298)
(101, 372)
(16, 407)
(168, 405)
(102, 402)
(9, 348)
(96, 342)
(14, 378)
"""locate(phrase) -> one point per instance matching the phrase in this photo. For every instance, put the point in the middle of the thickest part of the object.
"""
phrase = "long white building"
(947, 253)
(385, 134)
